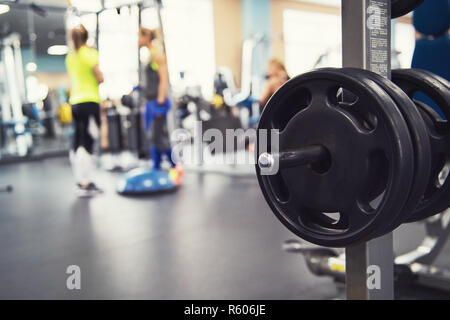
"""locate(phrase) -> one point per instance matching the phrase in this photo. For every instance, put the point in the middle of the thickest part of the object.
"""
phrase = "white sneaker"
(90, 191)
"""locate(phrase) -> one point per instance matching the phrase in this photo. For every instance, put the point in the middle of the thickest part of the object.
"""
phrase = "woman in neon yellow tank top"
(85, 76)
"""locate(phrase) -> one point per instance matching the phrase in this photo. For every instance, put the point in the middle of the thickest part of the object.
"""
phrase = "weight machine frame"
(421, 259)
(360, 42)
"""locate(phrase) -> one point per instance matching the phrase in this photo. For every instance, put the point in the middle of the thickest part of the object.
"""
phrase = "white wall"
(307, 36)
(404, 42)
(189, 31)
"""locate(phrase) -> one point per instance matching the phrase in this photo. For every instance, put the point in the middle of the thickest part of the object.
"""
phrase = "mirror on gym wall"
(35, 116)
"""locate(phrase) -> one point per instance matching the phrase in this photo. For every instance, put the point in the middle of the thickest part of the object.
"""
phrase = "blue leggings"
(156, 156)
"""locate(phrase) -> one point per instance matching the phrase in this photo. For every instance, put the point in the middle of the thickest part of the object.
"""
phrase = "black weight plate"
(436, 197)
(306, 199)
(431, 118)
(435, 76)
(419, 136)
(401, 7)
(437, 128)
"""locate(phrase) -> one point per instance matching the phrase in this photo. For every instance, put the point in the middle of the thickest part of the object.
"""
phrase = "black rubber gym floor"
(215, 238)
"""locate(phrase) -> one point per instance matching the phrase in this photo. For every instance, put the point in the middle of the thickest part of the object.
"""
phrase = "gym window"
(312, 40)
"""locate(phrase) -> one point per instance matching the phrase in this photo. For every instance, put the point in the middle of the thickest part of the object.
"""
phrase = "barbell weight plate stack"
(437, 195)
(330, 203)
(419, 136)
(401, 7)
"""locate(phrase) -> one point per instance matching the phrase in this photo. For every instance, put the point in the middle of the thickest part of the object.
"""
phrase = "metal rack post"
(366, 44)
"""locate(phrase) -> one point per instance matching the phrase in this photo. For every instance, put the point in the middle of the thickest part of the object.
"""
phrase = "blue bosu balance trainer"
(146, 181)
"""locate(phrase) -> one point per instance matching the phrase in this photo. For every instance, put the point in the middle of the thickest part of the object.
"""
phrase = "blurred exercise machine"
(250, 81)
(13, 123)
(226, 96)
(413, 269)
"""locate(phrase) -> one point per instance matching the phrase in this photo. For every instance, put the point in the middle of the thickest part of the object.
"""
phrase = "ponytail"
(79, 36)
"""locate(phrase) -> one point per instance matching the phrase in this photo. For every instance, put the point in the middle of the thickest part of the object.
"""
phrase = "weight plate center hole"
(322, 166)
